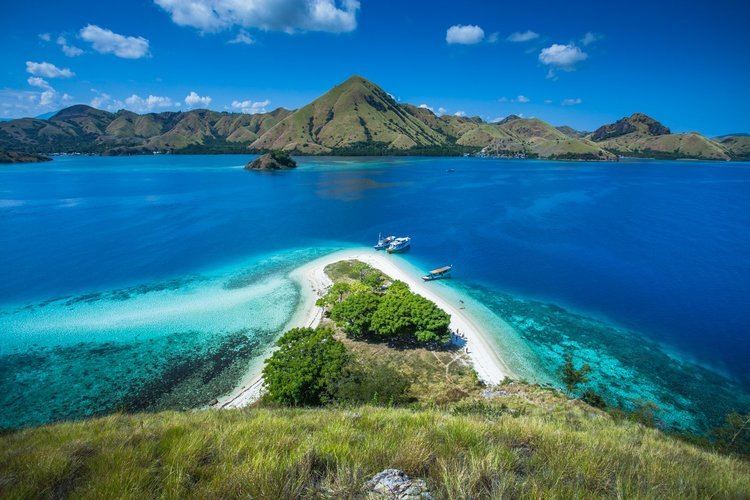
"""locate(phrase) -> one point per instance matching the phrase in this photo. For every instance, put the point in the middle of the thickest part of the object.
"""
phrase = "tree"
(335, 295)
(734, 435)
(571, 376)
(305, 368)
(354, 313)
(593, 399)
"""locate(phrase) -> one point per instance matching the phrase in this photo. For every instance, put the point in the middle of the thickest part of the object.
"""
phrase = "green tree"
(305, 367)
(593, 399)
(354, 313)
(393, 317)
(335, 294)
(572, 376)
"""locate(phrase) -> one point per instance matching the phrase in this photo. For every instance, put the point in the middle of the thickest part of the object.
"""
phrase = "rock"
(275, 160)
(395, 484)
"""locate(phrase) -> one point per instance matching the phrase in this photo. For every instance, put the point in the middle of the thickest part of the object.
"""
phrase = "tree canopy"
(305, 368)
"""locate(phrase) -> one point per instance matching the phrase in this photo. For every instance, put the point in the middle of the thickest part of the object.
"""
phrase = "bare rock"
(395, 484)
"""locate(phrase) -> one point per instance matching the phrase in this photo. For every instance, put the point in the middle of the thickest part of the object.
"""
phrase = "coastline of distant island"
(355, 118)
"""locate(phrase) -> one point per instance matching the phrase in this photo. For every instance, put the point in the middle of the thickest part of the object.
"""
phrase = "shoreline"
(314, 282)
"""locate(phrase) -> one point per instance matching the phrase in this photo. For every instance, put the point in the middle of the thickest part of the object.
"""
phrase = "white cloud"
(140, 105)
(571, 102)
(493, 37)
(503, 99)
(425, 106)
(590, 38)
(108, 42)
(45, 36)
(522, 99)
(548, 101)
(68, 50)
(193, 99)
(243, 38)
(442, 111)
(36, 81)
(47, 69)
(290, 16)
(464, 34)
(251, 107)
(459, 113)
(563, 57)
(522, 36)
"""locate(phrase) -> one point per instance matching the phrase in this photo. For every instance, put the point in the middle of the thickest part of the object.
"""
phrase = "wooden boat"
(439, 273)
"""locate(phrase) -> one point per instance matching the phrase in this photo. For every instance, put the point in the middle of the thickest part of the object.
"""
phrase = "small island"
(274, 160)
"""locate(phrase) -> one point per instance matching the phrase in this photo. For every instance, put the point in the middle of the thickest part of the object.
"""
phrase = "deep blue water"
(639, 267)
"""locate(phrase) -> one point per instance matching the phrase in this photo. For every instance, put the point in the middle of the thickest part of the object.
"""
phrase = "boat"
(399, 245)
(383, 243)
(439, 273)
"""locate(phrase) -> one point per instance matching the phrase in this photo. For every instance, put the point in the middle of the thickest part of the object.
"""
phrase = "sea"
(152, 282)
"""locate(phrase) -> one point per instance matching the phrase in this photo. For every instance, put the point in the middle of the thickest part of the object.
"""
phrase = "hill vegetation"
(356, 117)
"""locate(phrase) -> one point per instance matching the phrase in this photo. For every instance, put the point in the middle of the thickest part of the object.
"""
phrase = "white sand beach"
(314, 282)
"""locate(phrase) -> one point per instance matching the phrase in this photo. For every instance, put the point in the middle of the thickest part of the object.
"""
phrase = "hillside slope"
(85, 129)
(523, 442)
(641, 136)
(354, 112)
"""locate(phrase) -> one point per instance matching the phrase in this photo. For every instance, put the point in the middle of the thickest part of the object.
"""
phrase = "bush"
(305, 368)
(354, 313)
(375, 383)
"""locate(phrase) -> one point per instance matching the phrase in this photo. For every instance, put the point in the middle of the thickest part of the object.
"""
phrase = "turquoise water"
(146, 283)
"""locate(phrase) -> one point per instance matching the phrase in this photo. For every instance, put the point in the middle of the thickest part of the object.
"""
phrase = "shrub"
(305, 368)
(375, 383)
(354, 314)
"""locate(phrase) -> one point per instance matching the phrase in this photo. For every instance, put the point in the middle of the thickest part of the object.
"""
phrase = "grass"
(505, 446)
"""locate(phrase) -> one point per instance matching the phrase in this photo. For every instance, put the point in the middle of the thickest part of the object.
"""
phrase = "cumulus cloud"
(459, 113)
(590, 38)
(48, 70)
(290, 16)
(251, 107)
(522, 36)
(425, 106)
(36, 81)
(464, 34)
(493, 37)
(522, 99)
(193, 100)
(45, 36)
(242, 37)
(563, 57)
(68, 50)
(442, 111)
(142, 105)
(107, 42)
(571, 102)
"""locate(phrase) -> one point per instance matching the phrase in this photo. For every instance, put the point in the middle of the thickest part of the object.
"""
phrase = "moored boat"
(383, 243)
(399, 245)
(439, 273)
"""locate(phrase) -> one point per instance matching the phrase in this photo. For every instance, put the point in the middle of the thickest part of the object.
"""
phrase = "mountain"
(641, 136)
(738, 145)
(18, 157)
(81, 128)
(356, 117)
(534, 138)
(354, 114)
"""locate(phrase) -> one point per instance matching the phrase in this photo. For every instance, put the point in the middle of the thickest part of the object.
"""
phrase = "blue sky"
(576, 63)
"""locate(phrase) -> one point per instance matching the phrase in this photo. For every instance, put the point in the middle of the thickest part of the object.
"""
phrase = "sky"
(573, 63)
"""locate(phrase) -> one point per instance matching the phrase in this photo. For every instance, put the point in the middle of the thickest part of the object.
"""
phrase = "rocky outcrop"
(395, 484)
(275, 160)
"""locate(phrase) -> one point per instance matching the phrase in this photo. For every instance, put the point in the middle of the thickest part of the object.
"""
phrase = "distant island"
(356, 117)
(274, 160)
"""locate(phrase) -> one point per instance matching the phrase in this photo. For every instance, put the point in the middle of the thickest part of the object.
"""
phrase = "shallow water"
(150, 282)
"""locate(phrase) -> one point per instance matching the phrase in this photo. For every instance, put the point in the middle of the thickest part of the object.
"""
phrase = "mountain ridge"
(355, 117)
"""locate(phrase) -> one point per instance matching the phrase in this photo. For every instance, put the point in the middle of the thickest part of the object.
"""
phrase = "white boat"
(383, 243)
(399, 245)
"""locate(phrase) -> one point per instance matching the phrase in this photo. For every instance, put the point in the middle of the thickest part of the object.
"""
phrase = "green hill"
(641, 136)
(525, 443)
(738, 145)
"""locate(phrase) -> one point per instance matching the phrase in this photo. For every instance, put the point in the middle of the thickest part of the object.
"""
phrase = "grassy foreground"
(529, 442)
